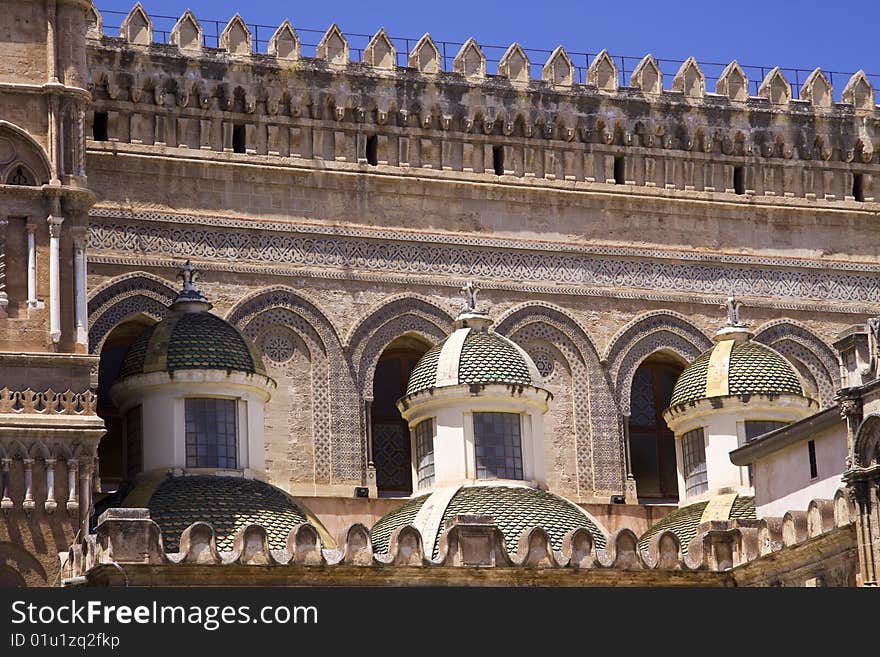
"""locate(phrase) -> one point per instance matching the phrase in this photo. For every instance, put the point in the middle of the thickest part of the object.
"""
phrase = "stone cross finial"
(469, 292)
(733, 307)
(188, 276)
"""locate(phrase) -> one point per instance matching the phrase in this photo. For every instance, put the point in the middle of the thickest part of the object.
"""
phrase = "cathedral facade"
(335, 203)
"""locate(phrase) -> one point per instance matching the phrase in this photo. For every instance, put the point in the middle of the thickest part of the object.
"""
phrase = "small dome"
(683, 522)
(191, 340)
(743, 368)
(226, 503)
(473, 356)
(515, 509)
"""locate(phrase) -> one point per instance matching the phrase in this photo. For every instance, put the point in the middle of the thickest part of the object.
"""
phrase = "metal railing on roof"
(212, 29)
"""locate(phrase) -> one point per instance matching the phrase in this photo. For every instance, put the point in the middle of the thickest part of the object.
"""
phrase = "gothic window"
(211, 433)
(392, 455)
(693, 453)
(498, 446)
(651, 443)
(20, 176)
(424, 437)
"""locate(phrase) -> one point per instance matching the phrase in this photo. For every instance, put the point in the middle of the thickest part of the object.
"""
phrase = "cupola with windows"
(729, 395)
(193, 388)
(475, 404)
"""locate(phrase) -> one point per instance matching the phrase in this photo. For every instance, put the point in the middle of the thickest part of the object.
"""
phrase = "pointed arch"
(380, 51)
(647, 334)
(598, 430)
(859, 92)
(867, 443)
(690, 80)
(187, 33)
(333, 47)
(775, 88)
(338, 438)
(817, 89)
(559, 71)
(733, 83)
(470, 60)
(381, 325)
(25, 149)
(123, 297)
(603, 72)
(236, 37)
(425, 57)
(647, 76)
(515, 65)
(137, 26)
(285, 42)
(815, 361)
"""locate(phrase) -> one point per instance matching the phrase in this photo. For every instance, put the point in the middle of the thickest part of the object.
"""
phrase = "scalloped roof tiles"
(191, 340)
(402, 515)
(486, 357)
(227, 503)
(754, 369)
(514, 508)
(683, 522)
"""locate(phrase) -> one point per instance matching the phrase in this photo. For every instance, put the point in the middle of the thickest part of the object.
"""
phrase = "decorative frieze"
(531, 266)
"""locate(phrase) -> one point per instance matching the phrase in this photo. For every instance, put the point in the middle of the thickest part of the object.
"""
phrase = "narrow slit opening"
(498, 160)
(372, 150)
(238, 139)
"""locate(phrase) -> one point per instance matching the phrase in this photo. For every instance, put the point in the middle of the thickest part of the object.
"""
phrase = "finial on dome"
(735, 328)
(190, 298)
(469, 291)
(470, 317)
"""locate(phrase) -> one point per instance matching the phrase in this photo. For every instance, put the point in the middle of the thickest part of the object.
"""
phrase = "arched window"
(19, 175)
(120, 450)
(651, 443)
(392, 449)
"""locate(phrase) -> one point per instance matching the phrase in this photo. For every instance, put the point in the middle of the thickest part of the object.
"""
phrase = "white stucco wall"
(723, 427)
(782, 479)
(452, 409)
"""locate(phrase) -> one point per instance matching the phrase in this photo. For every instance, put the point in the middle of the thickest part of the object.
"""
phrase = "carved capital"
(54, 225)
(849, 406)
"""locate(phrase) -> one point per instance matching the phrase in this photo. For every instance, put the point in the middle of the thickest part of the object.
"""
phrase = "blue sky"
(838, 36)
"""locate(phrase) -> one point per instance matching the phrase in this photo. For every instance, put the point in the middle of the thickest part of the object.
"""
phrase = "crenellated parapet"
(653, 133)
(472, 551)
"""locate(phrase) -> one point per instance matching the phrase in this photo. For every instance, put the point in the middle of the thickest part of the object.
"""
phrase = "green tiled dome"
(754, 369)
(191, 341)
(485, 357)
(227, 503)
(402, 515)
(683, 522)
(514, 508)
